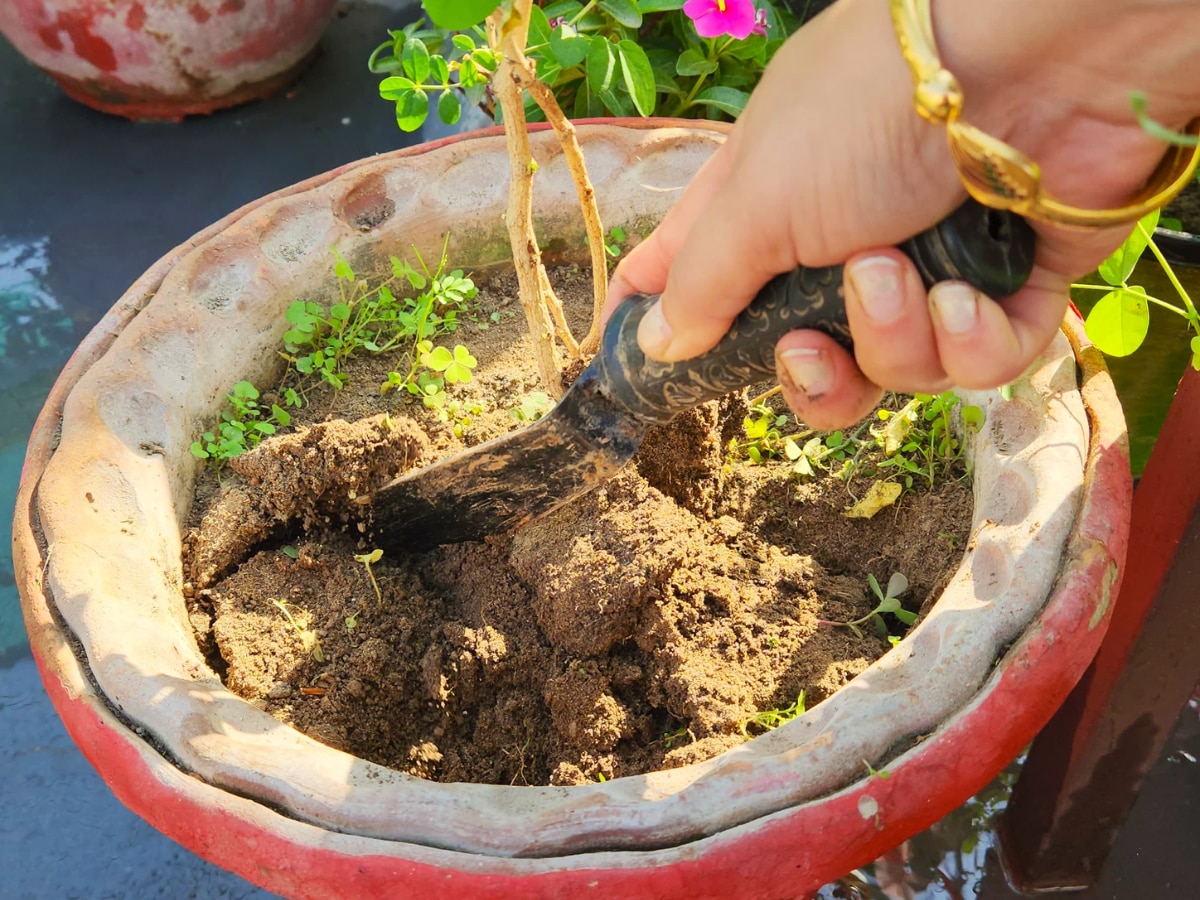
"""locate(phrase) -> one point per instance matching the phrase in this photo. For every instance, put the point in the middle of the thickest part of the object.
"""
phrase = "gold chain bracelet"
(996, 174)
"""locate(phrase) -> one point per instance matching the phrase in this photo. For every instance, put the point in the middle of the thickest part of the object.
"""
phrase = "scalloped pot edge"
(99, 514)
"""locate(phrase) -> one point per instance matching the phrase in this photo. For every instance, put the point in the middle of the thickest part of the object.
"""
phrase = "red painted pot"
(166, 59)
(97, 547)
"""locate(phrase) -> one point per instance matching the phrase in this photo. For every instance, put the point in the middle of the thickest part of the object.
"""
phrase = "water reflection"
(946, 862)
(36, 336)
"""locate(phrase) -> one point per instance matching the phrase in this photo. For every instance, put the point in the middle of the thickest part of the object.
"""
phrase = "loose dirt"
(640, 627)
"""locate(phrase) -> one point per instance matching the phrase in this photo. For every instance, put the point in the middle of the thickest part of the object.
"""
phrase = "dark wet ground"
(87, 203)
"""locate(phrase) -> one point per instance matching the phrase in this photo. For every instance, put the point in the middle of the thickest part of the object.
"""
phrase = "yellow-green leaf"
(1118, 323)
(1120, 265)
(898, 427)
(880, 495)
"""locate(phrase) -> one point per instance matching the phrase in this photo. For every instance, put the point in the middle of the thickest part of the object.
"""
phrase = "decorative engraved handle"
(990, 249)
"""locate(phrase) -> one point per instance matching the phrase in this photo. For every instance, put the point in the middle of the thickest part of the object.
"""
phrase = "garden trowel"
(597, 426)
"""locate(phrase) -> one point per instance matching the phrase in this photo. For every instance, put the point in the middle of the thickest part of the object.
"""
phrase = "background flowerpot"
(166, 59)
(1181, 246)
(109, 475)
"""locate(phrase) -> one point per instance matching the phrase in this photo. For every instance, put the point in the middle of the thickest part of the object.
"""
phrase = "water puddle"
(36, 337)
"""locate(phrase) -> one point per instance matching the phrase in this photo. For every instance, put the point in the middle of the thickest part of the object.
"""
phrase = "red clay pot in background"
(166, 59)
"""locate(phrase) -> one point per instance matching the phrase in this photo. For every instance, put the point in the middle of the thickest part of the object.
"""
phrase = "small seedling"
(920, 440)
(671, 737)
(366, 559)
(308, 638)
(761, 428)
(614, 240)
(243, 425)
(881, 774)
(290, 552)
(532, 407)
(773, 718)
(888, 603)
(352, 620)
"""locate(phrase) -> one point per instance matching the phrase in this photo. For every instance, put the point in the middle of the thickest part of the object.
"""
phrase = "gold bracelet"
(994, 173)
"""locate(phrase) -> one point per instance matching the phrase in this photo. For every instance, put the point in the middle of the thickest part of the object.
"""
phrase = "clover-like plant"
(532, 407)
(244, 423)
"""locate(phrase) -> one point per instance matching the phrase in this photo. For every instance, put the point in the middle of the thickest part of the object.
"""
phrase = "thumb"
(721, 264)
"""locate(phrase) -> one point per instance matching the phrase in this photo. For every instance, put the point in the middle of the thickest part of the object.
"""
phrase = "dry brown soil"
(638, 628)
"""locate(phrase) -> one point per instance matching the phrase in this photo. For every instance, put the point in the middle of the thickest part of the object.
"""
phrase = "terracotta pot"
(108, 479)
(166, 59)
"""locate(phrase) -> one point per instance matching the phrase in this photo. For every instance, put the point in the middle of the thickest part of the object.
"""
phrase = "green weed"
(532, 407)
(367, 559)
(308, 637)
(888, 603)
(773, 718)
(244, 423)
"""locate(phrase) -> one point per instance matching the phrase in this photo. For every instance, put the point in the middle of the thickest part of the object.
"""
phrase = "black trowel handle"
(990, 249)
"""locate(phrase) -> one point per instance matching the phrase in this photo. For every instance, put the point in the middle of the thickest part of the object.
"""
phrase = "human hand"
(830, 162)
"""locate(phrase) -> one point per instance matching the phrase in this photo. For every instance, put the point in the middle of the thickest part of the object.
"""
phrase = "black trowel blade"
(510, 480)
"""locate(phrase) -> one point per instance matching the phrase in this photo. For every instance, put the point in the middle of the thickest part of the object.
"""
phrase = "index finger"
(645, 268)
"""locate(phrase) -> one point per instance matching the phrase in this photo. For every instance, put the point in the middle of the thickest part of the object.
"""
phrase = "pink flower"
(714, 18)
(760, 23)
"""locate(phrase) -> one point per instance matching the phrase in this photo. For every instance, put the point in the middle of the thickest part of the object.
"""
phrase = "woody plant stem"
(508, 34)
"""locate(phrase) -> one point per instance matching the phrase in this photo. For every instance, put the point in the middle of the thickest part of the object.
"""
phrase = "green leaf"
(601, 64)
(566, 8)
(1117, 268)
(568, 47)
(972, 417)
(463, 42)
(619, 103)
(437, 359)
(440, 69)
(1118, 323)
(905, 616)
(396, 87)
(693, 62)
(888, 604)
(412, 111)
(458, 15)
(749, 48)
(652, 6)
(587, 104)
(340, 311)
(1137, 100)
(539, 26)
(728, 100)
(449, 109)
(624, 11)
(415, 59)
(1195, 345)
(245, 390)
(637, 75)
(341, 269)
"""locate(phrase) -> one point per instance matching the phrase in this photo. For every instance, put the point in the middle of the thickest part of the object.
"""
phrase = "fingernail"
(654, 334)
(956, 306)
(808, 370)
(877, 283)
